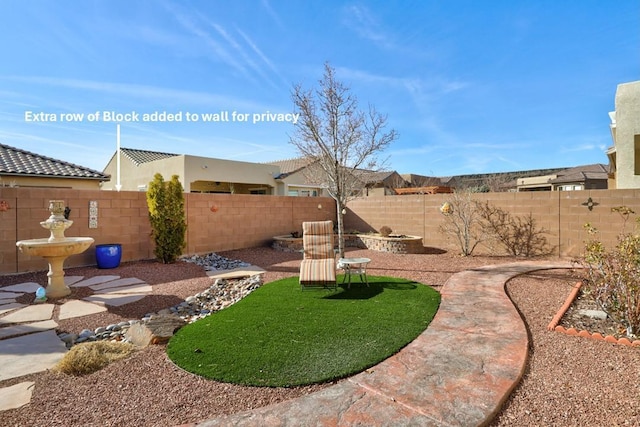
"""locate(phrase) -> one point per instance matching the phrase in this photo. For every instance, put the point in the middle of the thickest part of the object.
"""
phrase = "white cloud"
(272, 13)
(360, 19)
(141, 91)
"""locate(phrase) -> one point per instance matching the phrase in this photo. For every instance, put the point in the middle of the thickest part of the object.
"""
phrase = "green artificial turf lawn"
(281, 336)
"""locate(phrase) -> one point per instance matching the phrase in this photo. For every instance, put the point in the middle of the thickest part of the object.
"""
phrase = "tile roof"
(373, 177)
(290, 166)
(143, 156)
(582, 173)
(17, 162)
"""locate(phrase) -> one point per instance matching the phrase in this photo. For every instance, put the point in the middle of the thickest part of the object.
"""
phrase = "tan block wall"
(562, 213)
(219, 222)
(215, 222)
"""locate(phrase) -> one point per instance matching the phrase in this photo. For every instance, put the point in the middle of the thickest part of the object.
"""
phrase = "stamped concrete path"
(458, 372)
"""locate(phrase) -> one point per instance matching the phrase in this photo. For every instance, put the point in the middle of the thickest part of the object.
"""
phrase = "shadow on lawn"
(360, 290)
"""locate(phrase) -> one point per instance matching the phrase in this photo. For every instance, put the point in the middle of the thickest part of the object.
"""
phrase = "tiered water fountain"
(56, 249)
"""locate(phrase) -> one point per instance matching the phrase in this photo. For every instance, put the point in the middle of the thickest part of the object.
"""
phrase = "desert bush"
(519, 236)
(89, 357)
(385, 231)
(613, 277)
(462, 221)
(165, 201)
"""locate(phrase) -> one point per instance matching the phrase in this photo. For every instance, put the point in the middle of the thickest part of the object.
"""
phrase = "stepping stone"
(27, 328)
(30, 353)
(25, 288)
(594, 314)
(251, 270)
(10, 307)
(15, 396)
(133, 289)
(70, 280)
(76, 308)
(31, 313)
(117, 283)
(115, 300)
(95, 280)
(10, 294)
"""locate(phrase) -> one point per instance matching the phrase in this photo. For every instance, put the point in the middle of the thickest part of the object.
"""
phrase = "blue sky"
(470, 86)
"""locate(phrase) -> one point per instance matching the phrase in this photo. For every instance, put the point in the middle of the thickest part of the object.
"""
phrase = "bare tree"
(339, 138)
(463, 222)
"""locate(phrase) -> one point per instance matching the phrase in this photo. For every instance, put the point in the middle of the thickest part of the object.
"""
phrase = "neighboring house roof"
(289, 166)
(371, 177)
(462, 181)
(582, 173)
(432, 189)
(144, 156)
(17, 162)
(422, 180)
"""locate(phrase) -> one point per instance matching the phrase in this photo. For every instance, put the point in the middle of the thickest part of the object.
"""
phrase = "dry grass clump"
(385, 231)
(86, 358)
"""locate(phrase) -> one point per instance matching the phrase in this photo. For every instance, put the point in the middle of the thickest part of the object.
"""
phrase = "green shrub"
(166, 215)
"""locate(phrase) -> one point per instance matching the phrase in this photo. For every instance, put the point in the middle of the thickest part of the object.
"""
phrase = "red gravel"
(569, 381)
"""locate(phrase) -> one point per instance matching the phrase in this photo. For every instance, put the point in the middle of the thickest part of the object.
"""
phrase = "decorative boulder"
(158, 330)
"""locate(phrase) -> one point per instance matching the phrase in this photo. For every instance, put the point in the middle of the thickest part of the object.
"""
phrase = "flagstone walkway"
(28, 341)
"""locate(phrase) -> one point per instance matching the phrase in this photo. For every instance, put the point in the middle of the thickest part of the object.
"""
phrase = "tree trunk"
(340, 229)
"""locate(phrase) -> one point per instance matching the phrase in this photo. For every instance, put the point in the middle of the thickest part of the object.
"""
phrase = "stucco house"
(586, 177)
(381, 183)
(294, 178)
(624, 155)
(197, 174)
(21, 168)
(301, 177)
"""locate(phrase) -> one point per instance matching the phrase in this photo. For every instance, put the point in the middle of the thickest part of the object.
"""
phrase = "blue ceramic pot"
(108, 255)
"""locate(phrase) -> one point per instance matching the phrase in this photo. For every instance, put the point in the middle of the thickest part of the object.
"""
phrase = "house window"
(303, 193)
(570, 187)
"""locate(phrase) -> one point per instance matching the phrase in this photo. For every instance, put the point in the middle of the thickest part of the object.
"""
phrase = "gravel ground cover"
(569, 381)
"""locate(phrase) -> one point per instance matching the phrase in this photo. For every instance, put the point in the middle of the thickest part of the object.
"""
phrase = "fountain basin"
(55, 252)
(44, 248)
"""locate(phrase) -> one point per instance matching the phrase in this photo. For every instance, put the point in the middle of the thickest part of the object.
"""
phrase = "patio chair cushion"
(318, 271)
(317, 240)
(318, 266)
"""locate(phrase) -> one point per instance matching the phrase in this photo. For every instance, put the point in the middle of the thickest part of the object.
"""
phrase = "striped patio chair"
(318, 267)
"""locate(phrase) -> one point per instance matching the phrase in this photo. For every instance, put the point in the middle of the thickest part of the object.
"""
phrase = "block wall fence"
(562, 213)
(221, 222)
(215, 222)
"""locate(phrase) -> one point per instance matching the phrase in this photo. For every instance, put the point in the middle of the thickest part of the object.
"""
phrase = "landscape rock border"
(553, 325)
